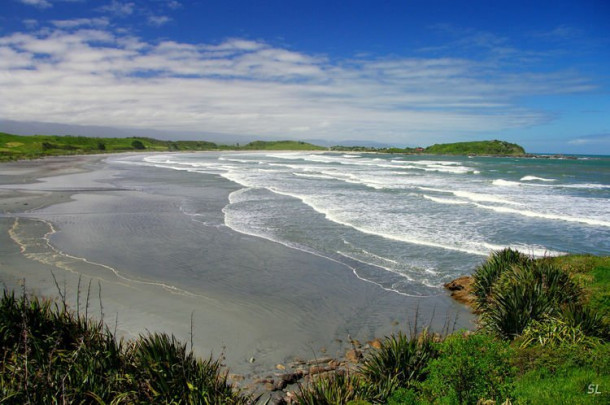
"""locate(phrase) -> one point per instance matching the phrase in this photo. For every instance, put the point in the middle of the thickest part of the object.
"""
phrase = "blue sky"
(404, 73)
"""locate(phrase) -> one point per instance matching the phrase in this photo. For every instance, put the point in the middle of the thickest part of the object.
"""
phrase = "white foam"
(484, 197)
(535, 178)
(586, 186)
(556, 217)
(315, 176)
(471, 248)
(445, 200)
(505, 183)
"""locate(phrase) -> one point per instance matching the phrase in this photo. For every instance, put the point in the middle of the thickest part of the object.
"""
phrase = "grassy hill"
(15, 147)
(281, 145)
(494, 147)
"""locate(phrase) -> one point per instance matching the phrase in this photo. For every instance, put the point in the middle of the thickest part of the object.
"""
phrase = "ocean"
(405, 223)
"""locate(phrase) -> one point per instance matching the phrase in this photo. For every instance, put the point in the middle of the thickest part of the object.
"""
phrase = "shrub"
(403, 396)
(137, 144)
(168, 373)
(590, 322)
(400, 362)
(554, 332)
(50, 355)
(525, 293)
(335, 389)
(468, 369)
(488, 273)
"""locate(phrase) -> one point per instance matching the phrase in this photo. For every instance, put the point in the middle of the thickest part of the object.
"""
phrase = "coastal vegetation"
(543, 338)
(16, 147)
(478, 148)
(281, 145)
(493, 148)
(51, 355)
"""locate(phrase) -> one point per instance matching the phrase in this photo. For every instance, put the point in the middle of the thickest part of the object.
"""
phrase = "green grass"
(50, 355)
(558, 355)
(281, 145)
(568, 374)
(550, 343)
(16, 147)
(593, 275)
(494, 147)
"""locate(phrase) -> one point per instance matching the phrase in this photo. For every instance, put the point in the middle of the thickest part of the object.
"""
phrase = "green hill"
(281, 145)
(15, 147)
(494, 147)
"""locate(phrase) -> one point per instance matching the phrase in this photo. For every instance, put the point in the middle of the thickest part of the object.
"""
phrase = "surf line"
(54, 254)
(312, 252)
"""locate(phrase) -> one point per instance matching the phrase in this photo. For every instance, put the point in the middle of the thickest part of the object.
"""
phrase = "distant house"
(419, 150)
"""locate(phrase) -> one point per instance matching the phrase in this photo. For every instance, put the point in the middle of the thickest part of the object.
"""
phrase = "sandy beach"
(118, 235)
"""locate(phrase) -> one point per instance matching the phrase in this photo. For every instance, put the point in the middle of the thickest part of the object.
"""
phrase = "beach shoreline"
(254, 302)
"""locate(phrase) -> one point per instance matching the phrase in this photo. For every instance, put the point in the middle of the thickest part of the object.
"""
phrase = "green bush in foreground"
(400, 362)
(336, 389)
(49, 355)
(469, 368)
(486, 275)
(525, 293)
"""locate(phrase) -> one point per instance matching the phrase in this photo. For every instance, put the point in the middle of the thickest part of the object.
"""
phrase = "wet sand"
(119, 237)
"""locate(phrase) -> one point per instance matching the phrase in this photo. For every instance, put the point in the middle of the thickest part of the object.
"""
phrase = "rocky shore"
(280, 385)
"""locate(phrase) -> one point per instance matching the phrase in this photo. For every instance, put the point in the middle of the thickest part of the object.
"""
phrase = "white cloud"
(30, 23)
(37, 3)
(96, 76)
(119, 8)
(158, 20)
(81, 22)
(174, 5)
(603, 139)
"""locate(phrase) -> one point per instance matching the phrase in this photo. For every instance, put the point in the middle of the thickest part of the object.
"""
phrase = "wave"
(509, 183)
(556, 217)
(535, 178)
(594, 186)
(470, 196)
(445, 200)
(506, 183)
(315, 176)
(235, 227)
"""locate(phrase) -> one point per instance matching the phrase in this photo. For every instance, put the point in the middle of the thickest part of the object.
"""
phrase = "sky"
(401, 73)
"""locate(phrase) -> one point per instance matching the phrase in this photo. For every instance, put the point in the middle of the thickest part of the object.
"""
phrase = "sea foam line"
(23, 247)
(556, 217)
(309, 251)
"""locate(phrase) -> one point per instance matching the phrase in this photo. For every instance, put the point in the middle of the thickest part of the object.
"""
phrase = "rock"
(461, 290)
(376, 343)
(333, 364)
(319, 360)
(291, 378)
(236, 377)
(279, 385)
(280, 367)
(316, 370)
(277, 398)
(269, 386)
(251, 359)
(353, 356)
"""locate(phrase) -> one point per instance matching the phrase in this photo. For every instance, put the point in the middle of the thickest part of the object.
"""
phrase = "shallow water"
(406, 223)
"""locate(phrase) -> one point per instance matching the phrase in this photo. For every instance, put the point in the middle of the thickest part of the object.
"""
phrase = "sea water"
(406, 223)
